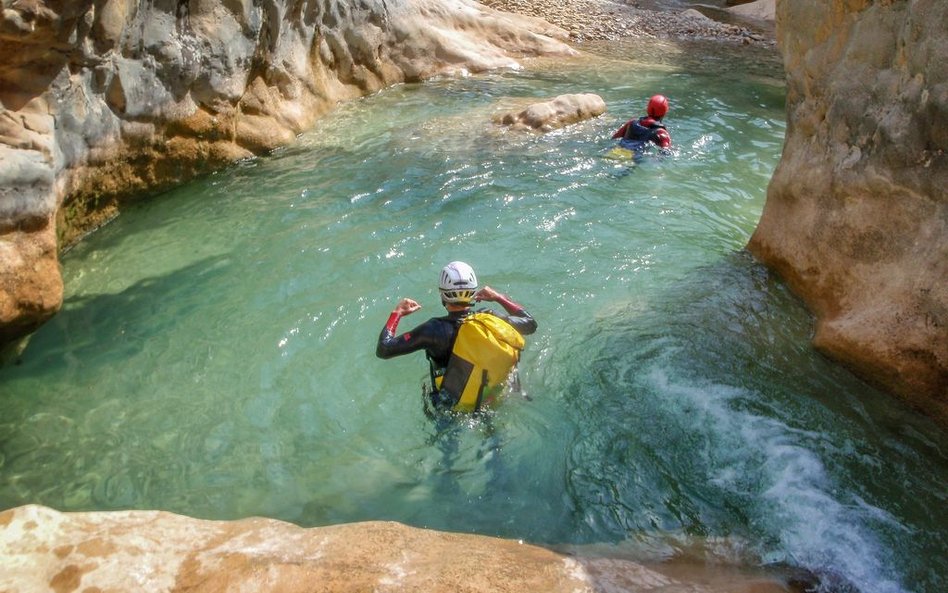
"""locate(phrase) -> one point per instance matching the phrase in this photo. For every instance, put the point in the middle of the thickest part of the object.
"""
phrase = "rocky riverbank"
(588, 20)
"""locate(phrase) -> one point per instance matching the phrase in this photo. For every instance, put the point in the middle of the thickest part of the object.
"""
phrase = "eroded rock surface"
(555, 113)
(153, 552)
(765, 10)
(101, 99)
(856, 218)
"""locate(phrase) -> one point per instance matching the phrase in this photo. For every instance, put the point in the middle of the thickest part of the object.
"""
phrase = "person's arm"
(389, 344)
(620, 133)
(662, 138)
(517, 316)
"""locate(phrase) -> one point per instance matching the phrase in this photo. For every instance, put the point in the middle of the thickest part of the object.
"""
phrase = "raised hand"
(486, 294)
(406, 307)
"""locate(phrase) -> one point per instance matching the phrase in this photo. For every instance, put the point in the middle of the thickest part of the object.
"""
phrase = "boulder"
(856, 217)
(555, 113)
(696, 17)
(764, 10)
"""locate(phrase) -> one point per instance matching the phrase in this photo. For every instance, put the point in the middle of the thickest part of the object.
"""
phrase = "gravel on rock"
(612, 20)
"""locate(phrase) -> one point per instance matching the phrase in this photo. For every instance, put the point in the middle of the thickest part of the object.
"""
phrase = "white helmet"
(458, 283)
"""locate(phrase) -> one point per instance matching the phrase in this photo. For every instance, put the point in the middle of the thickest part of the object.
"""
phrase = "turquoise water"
(215, 352)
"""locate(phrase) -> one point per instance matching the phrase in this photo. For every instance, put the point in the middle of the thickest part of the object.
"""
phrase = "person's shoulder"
(438, 320)
(450, 319)
(430, 322)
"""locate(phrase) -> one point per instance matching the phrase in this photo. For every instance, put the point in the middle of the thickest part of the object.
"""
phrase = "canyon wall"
(856, 218)
(105, 99)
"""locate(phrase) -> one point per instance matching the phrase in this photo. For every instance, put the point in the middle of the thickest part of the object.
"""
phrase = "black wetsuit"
(436, 337)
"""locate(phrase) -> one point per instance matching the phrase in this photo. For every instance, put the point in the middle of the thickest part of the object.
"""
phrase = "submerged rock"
(149, 551)
(102, 99)
(555, 113)
(856, 218)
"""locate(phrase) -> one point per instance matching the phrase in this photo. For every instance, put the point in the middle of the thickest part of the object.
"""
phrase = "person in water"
(648, 129)
(436, 336)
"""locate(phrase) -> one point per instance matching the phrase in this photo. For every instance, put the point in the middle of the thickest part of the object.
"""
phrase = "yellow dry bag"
(486, 349)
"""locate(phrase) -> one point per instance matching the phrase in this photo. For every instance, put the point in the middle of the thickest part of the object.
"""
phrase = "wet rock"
(29, 259)
(555, 113)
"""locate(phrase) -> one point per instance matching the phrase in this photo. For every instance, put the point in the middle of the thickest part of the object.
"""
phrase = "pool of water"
(215, 352)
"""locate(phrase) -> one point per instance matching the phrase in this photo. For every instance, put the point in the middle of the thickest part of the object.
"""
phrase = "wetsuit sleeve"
(663, 138)
(620, 133)
(517, 316)
(390, 345)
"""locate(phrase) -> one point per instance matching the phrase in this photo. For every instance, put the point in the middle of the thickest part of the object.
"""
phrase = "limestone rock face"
(555, 113)
(101, 99)
(155, 552)
(856, 218)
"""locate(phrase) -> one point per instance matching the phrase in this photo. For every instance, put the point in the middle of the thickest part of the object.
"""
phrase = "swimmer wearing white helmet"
(459, 292)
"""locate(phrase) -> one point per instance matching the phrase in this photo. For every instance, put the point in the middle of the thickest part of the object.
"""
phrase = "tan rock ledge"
(150, 551)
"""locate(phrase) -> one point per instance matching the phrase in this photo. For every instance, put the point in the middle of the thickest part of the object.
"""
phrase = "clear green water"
(215, 353)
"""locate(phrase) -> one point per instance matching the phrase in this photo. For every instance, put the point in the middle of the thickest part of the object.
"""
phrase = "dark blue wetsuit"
(436, 337)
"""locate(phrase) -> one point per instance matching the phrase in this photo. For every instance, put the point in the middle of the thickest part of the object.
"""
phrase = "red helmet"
(657, 106)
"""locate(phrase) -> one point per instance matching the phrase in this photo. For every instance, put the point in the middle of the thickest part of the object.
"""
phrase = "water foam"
(803, 518)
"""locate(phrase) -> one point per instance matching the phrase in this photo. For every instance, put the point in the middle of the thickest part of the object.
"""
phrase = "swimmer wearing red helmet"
(649, 128)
